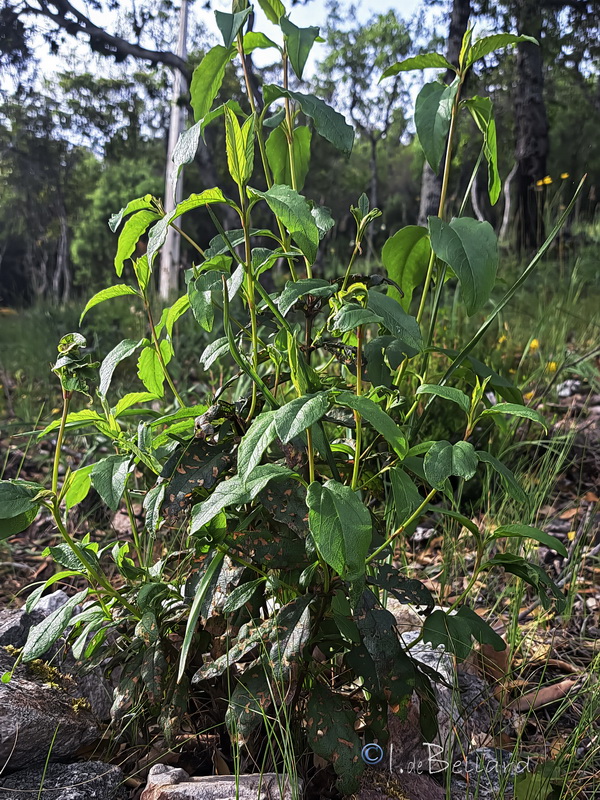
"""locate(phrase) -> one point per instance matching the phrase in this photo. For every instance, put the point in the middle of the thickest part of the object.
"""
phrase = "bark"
(68, 18)
(506, 191)
(431, 184)
(374, 193)
(531, 146)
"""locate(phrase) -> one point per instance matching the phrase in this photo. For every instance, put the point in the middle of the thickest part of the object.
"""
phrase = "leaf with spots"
(289, 636)
(406, 590)
(249, 636)
(197, 465)
(285, 501)
(249, 701)
(330, 731)
(275, 551)
(153, 671)
(377, 626)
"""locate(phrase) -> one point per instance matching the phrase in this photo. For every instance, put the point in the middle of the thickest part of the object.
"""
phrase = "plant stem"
(355, 252)
(188, 239)
(59, 439)
(357, 417)
(158, 352)
(415, 515)
(96, 576)
(443, 193)
(250, 294)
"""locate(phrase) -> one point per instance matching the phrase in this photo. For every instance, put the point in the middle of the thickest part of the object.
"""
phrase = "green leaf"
(235, 492)
(351, 315)
(152, 505)
(448, 393)
(294, 213)
(341, 527)
(482, 111)
(139, 204)
(207, 79)
(514, 410)
(158, 234)
(376, 417)
(254, 40)
(531, 574)
(329, 124)
(43, 635)
(239, 143)
(241, 595)
(109, 477)
(123, 350)
(330, 733)
(444, 459)
(255, 441)
(406, 495)
(185, 150)
(489, 44)
(406, 256)
(119, 290)
(231, 24)
(17, 497)
(396, 320)
(433, 111)
(201, 591)
(77, 419)
(519, 531)
(131, 399)
(18, 523)
(455, 632)
(424, 61)
(296, 416)
(176, 311)
(150, 371)
(78, 486)
(134, 229)
(214, 351)
(294, 290)
(470, 248)
(511, 484)
(279, 159)
(299, 44)
(273, 10)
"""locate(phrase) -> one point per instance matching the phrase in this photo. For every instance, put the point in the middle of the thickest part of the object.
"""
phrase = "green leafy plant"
(272, 512)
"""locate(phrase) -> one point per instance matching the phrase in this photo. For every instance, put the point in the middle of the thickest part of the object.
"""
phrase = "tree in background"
(348, 75)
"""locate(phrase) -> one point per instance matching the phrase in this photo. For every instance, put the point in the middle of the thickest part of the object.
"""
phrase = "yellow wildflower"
(528, 396)
(564, 175)
(552, 366)
(547, 180)
(534, 345)
(539, 183)
(502, 339)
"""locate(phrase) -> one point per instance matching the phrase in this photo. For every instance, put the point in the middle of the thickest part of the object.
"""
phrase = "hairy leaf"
(448, 393)
(376, 417)
(109, 477)
(42, 636)
(133, 230)
(207, 79)
(444, 459)
(341, 527)
(299, 43)
(470, 248)
(424, 61)
(279, 159)
(120, 290)
(294, 213)
(433, 111)
(406, 256)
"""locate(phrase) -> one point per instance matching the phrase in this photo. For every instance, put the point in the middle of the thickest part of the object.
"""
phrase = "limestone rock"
(90, 780)
(35, 704)
(172, 783)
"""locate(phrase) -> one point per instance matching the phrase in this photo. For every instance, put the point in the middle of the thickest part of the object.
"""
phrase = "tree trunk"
(531, 146)
(431, 184)
(374, 192)
(170, 256)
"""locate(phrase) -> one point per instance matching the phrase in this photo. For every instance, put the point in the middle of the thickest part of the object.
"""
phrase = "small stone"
(172, 783)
